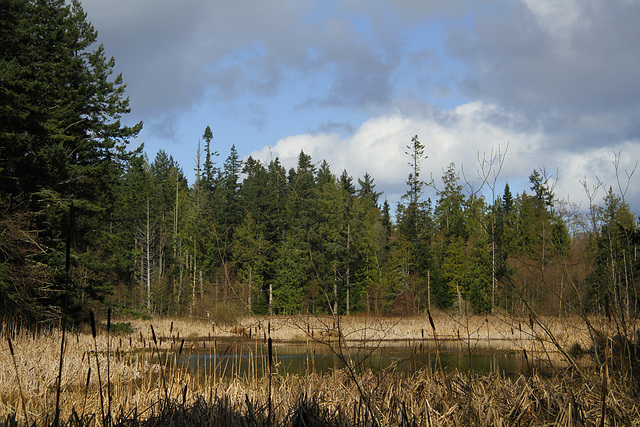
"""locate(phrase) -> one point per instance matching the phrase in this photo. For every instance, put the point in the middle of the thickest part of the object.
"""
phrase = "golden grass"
(501, 332)
(142, 388)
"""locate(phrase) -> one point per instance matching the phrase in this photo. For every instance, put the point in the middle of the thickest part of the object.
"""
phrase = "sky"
(499, 88)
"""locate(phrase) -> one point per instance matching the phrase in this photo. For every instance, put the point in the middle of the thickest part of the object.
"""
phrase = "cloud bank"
(467, 136)
(352, 81)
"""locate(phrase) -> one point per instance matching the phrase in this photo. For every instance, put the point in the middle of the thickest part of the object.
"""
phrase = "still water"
(237, 358)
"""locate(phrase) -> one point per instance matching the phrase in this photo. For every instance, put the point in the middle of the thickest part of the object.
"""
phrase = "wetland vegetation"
(139, 377)
(252, 257)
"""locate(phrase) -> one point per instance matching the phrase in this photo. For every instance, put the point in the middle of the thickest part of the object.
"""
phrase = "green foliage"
(455, 268)
(290, 275)
(613, 286)
(81, 214)
(122, 328)
(450, 209)
(63, 146)
(226, 313)
(480, 281)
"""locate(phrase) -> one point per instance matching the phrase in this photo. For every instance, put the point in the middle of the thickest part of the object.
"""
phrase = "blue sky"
(553, 84)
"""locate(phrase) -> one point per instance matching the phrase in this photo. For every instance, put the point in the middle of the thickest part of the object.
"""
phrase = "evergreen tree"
(324, 175)
(63, 146)
(232, 214)
(209, 171)
(480, 280)
(254, 193)
(502, 244)
(451, 226)
(291, 274)
(409, 214)
(456, 265)
(134, 188)
(449, 211)
(615, 267)
(250, 250)
(367, 190)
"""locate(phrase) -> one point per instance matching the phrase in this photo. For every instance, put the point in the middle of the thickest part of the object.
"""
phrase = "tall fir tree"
(63, 146)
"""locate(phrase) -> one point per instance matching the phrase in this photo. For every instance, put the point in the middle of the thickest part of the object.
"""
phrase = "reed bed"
(497, 331)
(140, 383)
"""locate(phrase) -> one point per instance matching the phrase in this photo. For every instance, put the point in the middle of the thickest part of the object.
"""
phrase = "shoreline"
(495, 331)
(137, 384)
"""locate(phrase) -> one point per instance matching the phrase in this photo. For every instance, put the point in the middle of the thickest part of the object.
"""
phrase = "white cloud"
(551, 78)
(610, 167)
(462, 136)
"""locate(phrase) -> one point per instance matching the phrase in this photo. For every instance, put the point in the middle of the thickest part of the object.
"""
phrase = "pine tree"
(63, 145)
(232, 214)
(250, 249)
(410, 213)
(367, 189)
(615, 266)
(209, 171)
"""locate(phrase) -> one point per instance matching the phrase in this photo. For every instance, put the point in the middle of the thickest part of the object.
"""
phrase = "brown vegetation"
(138, 387)
(241, 331)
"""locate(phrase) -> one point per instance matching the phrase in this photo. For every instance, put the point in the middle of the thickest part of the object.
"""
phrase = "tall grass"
(147, 387)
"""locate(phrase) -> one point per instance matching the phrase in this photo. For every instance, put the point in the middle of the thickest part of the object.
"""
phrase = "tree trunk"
(250, 292)
(175, 221)
(335, 291)
(347, 301)
(148, 250)
(348, 264)
(429, 289)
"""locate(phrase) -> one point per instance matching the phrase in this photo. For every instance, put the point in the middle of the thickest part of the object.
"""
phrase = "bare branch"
(629, 175)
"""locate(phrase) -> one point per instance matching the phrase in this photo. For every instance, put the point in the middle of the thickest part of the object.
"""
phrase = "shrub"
(226, 313)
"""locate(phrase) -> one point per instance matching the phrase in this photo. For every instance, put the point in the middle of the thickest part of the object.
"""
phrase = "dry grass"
(501, 332)
(144, 390)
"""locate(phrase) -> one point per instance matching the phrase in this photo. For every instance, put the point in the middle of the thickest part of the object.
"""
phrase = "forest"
(88, 221)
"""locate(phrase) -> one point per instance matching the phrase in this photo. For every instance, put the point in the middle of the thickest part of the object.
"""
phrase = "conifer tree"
(367, 189)
(209, 171)
(410, 213)
(63, 145)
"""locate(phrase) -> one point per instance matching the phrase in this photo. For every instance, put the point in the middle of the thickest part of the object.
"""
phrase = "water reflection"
(251, 359)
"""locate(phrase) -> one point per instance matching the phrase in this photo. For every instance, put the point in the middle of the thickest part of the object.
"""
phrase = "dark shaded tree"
(63, 146)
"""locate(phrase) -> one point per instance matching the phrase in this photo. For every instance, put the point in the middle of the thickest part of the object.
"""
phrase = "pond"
(251, 358)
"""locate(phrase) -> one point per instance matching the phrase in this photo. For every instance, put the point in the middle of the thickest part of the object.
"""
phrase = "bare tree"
(147, 242)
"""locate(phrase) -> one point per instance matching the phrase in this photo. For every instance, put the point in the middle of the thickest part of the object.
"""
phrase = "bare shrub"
(226, 314)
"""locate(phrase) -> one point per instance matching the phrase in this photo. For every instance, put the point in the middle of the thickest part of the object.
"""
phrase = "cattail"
(95, 344)
(164, 382)
(86, 390)
(59, 385)
(433, 326)
(109, 363)
(10, 346)
(92, 318)
(15, 365)
(153, 335)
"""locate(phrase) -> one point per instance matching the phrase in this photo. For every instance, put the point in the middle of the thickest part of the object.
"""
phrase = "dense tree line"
(271, 240)
(84, 219)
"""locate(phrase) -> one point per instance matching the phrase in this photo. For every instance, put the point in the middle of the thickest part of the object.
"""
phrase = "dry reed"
(498, 331)
(147, 390)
